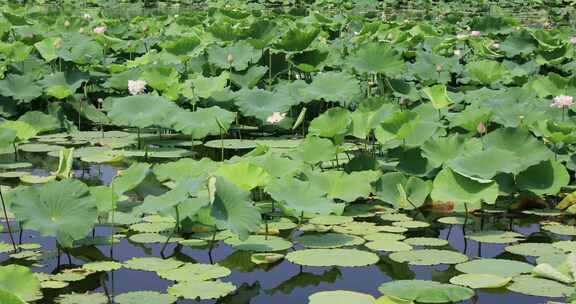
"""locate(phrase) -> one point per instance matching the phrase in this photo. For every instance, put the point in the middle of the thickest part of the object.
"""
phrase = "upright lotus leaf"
(232, 209)
(162, 78)
(557, 132)
(63, 209)
(183, 46)
(485, 164)
(547, 271)
(470, 118)
(396, 126)
(442, 149)
(376, 57)
(449, 186)
(438, 96)
(7, 137)
(545, 178)
(297, 39)
(339, 87)
(204, 87)
(48, 48)
(433, 68)
(262, 104)
(20, 87)
(40, 121)
(9, 298)
(203, 122)
(333, 123)
(141, 111)
(486, 72)
(401, 191)
(237, 56)
(130, 178)
(301, 196)
(65, 161)
(174, 197)
(518, 43)
(63, 84)
(24, 131)
(347, 187)
(315, 149)
(184, 168)
(549, 85)
(250, 78)
(19, 281)
(243, 174)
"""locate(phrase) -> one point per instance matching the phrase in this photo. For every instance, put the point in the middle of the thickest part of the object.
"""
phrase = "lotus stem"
(15, 151)
(139, 143)
(269, 69)
(7, 221)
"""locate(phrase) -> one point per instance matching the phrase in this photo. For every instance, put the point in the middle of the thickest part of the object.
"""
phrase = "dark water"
(280, 283)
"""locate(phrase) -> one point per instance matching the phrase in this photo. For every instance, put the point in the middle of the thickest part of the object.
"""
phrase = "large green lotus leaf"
(194, 272)
(332, 257)
(557, 132)
(20, 87)
(203, 290)
(130, 178)
(519, 141)
(315, 149)
(161, 78)
(144, 297)
(61, 85)
(499, 267)
(442, 149)
(397, 126)
(340, 297)
(203, 122)
(40, 121)
(494, 24)
(376, 57)
(470, 118)
(152, 264)
(141, 111)
(486, 72)
(250, 78)
(259, 243)
(547, 271)
(243, 174)
(24, 131)
(7, 137)
(119, 80)
(428, 257)
(63, 209)
(297, 39)
(347, 187)
(401, 191)
(204, 87)
(549, 85)
(178, 196)
(184, 168)
(433, 68)
(237, 56)
(183, 46)
(82, 298)
(261, 103)
(518, 43)
(480, 280)
(426, 291)
(232, 208)
(533, 249)
(453, 187)
(545, 178)
(301, 196)
(329, 240)
(19, 281)
(9, 298)
(529, 285)
(339, 87)
(332, 123)
(278, 165)
(485, 164)
(495, 236)
(438, 96)
(48, 48)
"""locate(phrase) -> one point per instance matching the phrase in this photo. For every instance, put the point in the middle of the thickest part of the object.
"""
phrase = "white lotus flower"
(275, 118)
(562, 101)
(136, 87)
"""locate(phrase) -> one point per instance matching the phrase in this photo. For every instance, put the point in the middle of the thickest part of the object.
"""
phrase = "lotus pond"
(239, 152)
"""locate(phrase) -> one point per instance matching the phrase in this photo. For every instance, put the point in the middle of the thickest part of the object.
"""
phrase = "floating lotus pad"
(532, 249)
(203, 290)
(340, 297)
(266, 258)
(428, 257)
(280, 224)
(231, 144)
(195, 272)
(498, 267)
(39, 148)
(152, 264)
(480, 280)
(411, 224)
(150, 238)
(259, 243)
(566, 246)
(82, 298)
(152, 227)
(532, 286)
(102, 266)
(561, 229)
(156, 153)
(426, 241)
(12, 166)
(329, 240)
(53, 284)
(395, 217)
(388, 245)
(384, 236)
(423, 291)
(331, 220)
(495, 237)
(544, 212)
(144, 297)
(193, 243)
(456, 220)
(332, 257)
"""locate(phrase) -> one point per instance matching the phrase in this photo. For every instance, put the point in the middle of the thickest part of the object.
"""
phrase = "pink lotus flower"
(481, 128)
(562, 101)
(136, 87)
(100, 30)
(275, 118)
(495, 45)
(475, 33)
(573, 40)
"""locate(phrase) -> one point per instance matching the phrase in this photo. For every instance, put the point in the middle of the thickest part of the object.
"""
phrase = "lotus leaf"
(332, 257)
(476, 280)
(144, 297)
(340, 297)
(203, 290)
(425, 291)
(428, 257)
(539, 287)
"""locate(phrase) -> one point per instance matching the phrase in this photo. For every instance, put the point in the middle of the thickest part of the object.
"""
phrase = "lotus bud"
(81, 30)
(439, 67)
(230, 58)
(457, 52)
(475, 33)
(66, 23)
(100, 29)
(573, 40)
(57, 44)
(86, 16)
(481, 128)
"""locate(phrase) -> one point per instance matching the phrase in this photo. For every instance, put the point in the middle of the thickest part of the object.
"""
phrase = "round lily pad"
(423, 291)
(530, 285)
(560, 229)
(532, 249)
(156, 153)
(356, 228)
(395, 217)
(566, 246)
(428, 257)
(13, 174)
(280, 224)
(259, 243)
(152, 264)
(480, 280)
(266, 258)
(340, 297)
(498, 267)
(234, 144)
(102, 266)
(329, 240)
(332, 257)
(82, 298)
(38, 148)
(195, 272)
(12, 166)
(495, 237)
(331, 220)
(144, 297)
(426, 241)
(384, 236)
(50, 284)
(391, 229)
(203, 290)
(193, 243)
(148, 238)
(151, 227)
(411, 224)
(455, 220)
(388, 245)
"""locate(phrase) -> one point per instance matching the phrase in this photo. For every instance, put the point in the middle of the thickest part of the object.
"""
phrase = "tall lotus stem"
(7, 221)
(15, 151)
